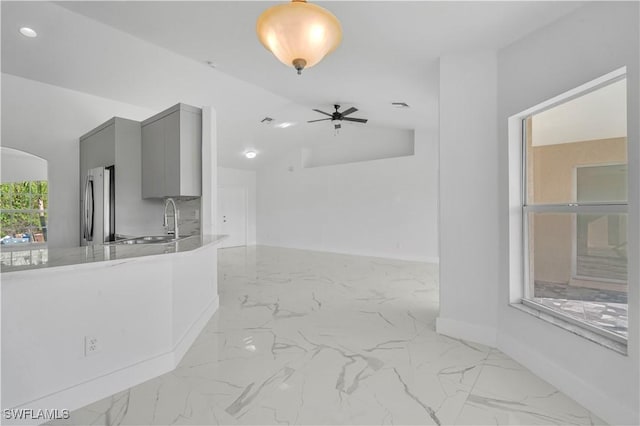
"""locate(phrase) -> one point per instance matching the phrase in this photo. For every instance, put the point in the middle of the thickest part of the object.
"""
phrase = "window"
(574, 208)
(23, 212)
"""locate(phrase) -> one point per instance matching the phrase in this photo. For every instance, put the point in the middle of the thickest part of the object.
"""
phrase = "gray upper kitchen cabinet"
(117, 142)
(171, 153)
(98, 147)
(153, 159)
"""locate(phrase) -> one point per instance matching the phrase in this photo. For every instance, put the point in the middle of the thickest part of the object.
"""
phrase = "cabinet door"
(191, 154)
(172, 154)
(153, 177)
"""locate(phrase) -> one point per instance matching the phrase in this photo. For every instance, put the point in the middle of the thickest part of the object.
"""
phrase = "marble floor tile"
(506, 393)
(308, 338)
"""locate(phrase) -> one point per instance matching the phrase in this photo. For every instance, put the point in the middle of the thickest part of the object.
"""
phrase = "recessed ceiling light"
(284, 125)
(400, 104)
(28, 32)
(250, 154)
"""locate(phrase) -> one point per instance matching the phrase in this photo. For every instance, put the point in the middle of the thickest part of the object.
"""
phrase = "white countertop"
(40, 256)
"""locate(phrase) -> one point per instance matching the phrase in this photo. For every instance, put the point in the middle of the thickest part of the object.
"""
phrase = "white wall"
(589, 43)
(18, 166)
(354, 143)
(209, 200)
(47, 121)
(384, 208)
(245, 179)
(469, 225)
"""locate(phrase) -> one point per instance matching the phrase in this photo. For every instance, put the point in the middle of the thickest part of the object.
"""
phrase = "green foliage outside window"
(23, 209)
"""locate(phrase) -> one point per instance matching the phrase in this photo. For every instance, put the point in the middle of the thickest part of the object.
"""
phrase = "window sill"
(607, 342)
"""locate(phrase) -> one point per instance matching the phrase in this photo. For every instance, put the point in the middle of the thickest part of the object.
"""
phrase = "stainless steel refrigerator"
(98, 206)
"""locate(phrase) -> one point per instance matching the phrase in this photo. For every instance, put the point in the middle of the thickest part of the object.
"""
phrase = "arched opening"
(24, 198)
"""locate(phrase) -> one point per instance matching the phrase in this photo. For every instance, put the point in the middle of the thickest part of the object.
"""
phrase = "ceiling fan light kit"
(298, 33)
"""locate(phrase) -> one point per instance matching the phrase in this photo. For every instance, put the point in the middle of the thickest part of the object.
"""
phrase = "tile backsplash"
(189, 216)
(189, 210)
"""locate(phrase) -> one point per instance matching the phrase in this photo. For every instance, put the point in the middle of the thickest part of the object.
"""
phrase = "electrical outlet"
(91, 345)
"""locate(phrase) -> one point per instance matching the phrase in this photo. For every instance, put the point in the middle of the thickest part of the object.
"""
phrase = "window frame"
(520, 210)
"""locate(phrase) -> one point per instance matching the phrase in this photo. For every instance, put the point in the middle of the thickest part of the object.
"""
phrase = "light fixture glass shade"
(28, 32)
(299, 33)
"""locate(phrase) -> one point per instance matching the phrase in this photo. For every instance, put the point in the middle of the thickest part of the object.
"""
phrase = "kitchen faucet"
(175, 217)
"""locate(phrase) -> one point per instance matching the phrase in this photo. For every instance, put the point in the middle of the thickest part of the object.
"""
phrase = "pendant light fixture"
(298, 33)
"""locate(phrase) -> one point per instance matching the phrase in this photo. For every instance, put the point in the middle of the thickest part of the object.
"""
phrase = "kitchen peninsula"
(107, 316)
(82, 322)
(36, 256)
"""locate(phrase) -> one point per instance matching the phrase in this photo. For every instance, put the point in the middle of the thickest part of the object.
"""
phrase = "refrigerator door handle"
(90, 210)
(85, 211)
(108, 233)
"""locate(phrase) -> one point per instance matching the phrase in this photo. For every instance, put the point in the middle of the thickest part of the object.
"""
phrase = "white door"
(232, 216)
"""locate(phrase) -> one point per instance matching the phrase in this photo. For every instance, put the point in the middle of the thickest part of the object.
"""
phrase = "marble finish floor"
(314, 338)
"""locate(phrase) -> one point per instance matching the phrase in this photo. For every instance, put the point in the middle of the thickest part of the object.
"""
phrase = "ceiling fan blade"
(357, 120)
(322, 119)
(349, 111)
(322, 112)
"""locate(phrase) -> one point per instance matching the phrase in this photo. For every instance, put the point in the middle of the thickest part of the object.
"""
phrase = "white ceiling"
(389, 53)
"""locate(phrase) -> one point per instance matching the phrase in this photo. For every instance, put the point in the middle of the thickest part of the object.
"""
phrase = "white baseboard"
(466, 331)
(93, 390)
(597, 401)
(383, 255)
(101, 387)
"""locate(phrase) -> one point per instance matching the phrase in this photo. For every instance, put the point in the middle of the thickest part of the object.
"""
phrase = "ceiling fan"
(337, 116)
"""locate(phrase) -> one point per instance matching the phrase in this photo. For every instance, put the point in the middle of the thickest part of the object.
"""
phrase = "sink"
(151, 239)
